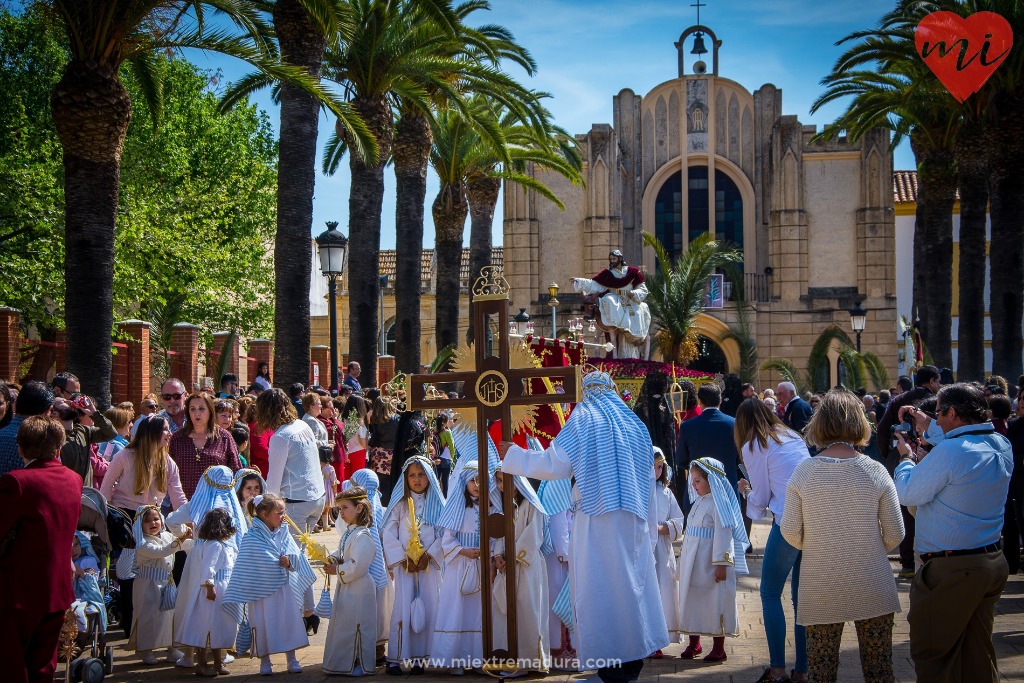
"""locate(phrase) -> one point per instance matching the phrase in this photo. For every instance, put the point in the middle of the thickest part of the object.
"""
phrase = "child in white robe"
(352, 632)
(378, 569)
(272, 575)
(670, 523)
(714, 547)
(556, 496)
(204, 623)
(530, 572)
(414, 581)
(155, 546)
(458, 638)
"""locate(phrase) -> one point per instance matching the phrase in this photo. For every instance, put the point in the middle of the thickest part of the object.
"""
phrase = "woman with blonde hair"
(142, 473)
(847, 578)
(771, 452)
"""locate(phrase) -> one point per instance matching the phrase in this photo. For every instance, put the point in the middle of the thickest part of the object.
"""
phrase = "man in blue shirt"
(959, 491)
(352, 376)
(35, 398)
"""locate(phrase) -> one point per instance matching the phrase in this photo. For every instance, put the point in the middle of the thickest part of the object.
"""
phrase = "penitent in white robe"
(352, 633)
(403, 644)
(458, 632)
(154, 559)
(532, 605)
(667, 512)
(203, 622)
(707, 608)
(616, 605)
(558, 572)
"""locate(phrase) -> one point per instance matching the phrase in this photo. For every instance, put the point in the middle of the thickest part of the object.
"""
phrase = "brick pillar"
(219, 339)
(185, 343)
(385, 369)
(263, 351)
(135, 334)
(119, 369)
(10, 333)
(61, 352)
(321, 355)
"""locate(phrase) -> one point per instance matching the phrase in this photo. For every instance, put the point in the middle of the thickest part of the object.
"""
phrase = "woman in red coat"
(39, 509)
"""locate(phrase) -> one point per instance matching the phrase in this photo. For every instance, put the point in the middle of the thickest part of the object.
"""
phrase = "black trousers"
(628, 671)
(907, 545)
(1011, 533)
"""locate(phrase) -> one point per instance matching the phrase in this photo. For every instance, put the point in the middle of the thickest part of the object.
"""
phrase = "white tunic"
(532, 605)
(707, 608)
(154, 559)
(458, 636)
(558, 572)
(666, 511)
(621, 308)
(276, 620)
(616, 605)
(352, 633)
(403, 644)
(203, 622)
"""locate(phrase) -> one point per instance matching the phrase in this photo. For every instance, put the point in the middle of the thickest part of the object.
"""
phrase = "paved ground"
(748, 654)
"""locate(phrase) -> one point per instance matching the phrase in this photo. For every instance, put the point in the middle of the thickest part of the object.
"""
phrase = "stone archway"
(717, 332)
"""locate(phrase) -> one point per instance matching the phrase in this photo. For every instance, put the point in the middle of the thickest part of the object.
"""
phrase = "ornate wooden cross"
(492, 389)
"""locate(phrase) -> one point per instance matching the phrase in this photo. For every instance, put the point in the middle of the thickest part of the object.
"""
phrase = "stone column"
(185, 361)
(10, 334)
(135, 336)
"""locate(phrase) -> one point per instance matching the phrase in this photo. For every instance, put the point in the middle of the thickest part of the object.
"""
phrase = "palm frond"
(876, 370)
(818, 362)
(148, 70)
(788, 371)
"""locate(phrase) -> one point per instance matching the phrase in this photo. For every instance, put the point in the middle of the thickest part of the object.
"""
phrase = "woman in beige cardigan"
(845, 573)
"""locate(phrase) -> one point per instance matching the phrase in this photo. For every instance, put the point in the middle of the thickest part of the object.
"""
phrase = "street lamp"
(553, 303)
(332, 246)
(522, 321)
(858, 321)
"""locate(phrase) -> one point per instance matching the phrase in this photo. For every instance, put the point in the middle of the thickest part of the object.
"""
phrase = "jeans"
(779, 558)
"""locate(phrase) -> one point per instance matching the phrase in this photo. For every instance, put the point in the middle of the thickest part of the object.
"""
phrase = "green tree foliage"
(197, 204)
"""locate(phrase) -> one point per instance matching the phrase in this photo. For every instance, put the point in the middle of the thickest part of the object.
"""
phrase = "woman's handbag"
(168, 596)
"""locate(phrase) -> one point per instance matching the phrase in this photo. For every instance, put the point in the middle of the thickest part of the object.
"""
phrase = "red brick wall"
(10, 334)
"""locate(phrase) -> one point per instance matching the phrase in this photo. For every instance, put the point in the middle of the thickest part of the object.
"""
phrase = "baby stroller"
(95, 658)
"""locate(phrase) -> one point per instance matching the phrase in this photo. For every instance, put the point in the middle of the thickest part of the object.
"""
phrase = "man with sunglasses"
(959, 489)
(65, 385)
(173, 395)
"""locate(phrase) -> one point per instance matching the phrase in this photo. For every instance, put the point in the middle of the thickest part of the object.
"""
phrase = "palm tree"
(464, 57)
(461, 153)
(859, 366)
(91, 110)
(897, 92)
(677, 291)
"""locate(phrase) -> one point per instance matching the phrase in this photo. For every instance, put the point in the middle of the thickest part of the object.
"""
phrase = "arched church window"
(389, 341)
(668, 210)
(710, 357)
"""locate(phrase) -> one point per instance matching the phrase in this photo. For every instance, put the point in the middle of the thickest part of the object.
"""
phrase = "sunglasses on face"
(171, 397)
(149, 407)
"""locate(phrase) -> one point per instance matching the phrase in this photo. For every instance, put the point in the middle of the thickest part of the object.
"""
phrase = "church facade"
(701, 153)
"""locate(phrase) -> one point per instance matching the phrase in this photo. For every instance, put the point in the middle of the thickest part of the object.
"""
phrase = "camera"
(906, 428)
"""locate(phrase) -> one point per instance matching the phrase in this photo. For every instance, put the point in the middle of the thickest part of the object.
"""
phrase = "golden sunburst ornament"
(491, 387)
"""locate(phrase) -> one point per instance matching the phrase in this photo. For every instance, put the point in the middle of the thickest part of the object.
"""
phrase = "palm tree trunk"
(449, 210)
(482, 193)
(411, 153)
(91, 111)
(936, 191)
(1005, 146)
(302, 44)
(973, 179)
(365, 202)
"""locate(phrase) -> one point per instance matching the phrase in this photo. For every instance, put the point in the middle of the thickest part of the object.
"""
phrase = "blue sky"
(588, 50)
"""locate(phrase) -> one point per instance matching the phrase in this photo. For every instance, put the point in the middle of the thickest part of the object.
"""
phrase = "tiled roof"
(387, 264)
(904, 187)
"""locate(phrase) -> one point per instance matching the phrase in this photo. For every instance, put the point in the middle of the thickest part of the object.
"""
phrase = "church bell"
(698, 45)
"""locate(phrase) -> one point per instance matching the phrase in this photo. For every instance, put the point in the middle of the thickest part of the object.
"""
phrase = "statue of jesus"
(620, 292)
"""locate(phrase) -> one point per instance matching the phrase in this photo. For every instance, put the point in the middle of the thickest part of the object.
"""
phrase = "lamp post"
(332, 246)
(858, 321)
(522, 321)
(383, 341)
(553, 303)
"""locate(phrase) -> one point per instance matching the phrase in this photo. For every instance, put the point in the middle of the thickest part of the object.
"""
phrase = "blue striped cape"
(465, 439)
(369, 481)
(610, 450)
(523, 486)
(563, 605)
(455, 506)
(258, 573)
(556, 495)
(435, 499)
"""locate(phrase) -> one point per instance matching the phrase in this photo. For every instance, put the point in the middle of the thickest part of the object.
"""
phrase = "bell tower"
(699, 49)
